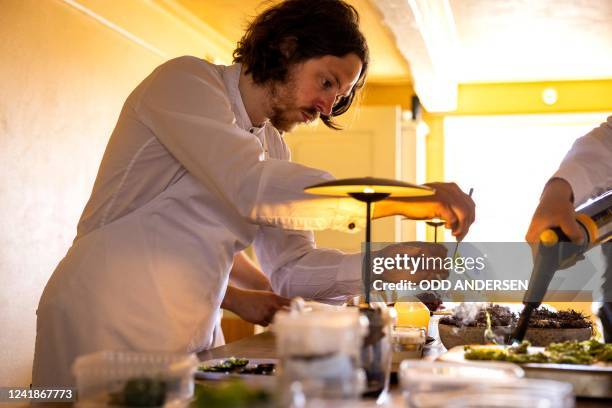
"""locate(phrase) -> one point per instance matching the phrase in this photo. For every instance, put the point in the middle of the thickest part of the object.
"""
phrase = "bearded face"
(286, 111)
(311, 89)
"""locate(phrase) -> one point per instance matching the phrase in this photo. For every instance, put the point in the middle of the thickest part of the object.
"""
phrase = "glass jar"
(412, 314)
(319, 347)
(407, 343)
(376, 349)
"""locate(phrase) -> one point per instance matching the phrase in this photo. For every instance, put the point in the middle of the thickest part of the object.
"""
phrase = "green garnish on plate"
(226, 366)
(569, 352)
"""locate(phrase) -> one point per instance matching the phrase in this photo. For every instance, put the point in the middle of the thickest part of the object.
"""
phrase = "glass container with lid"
(320, 343)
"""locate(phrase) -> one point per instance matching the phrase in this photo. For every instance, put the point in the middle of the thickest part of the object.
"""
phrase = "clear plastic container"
(479, 384)
(432, 383)
(159, 378)
(500, 400)
(558, 394)
(319, 393)
(318, 346)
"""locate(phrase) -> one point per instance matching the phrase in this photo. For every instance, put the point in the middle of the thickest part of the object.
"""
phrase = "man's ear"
(287, 47)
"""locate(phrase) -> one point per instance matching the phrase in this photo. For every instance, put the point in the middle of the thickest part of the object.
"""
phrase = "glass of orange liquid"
(412, 314)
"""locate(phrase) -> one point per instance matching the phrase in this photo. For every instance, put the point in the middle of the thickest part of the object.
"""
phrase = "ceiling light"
(549, 96)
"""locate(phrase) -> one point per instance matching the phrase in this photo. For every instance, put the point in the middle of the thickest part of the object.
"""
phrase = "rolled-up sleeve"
(185, 105)
(588, 164)
(296, 267)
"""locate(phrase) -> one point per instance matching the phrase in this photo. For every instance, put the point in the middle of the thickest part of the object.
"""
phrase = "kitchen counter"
(263, 346)
(257, 346)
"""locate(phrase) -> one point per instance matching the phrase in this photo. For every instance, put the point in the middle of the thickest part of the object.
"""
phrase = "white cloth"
(185, 183)
(588, 165)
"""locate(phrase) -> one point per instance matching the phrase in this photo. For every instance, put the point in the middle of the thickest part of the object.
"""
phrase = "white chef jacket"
(587, 167)
(185, 183)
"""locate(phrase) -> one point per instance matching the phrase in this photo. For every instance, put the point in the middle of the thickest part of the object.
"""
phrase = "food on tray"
(239, 366)
(233, 394)
(517, 354)
(581, 350)
(141, 392)
(569, 352)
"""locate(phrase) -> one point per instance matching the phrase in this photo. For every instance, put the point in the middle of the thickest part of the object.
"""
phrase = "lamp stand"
(368, 198)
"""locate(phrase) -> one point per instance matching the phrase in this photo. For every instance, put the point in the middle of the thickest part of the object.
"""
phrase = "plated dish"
(588, 380)
(223, 368)
(569, 352)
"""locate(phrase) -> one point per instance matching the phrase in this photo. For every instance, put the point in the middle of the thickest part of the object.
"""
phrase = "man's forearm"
(247, 275)
(229, 300)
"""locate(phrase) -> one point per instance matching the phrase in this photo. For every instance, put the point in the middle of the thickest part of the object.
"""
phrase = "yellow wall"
(64, 77)
(387, 94)
(525, 98)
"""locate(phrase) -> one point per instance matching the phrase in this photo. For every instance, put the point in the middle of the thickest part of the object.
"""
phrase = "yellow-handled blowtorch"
(595, 221)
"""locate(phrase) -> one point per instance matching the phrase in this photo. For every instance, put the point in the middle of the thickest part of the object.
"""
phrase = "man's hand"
(556, 209)
(449, 203)
(418, 250)
(254, 306)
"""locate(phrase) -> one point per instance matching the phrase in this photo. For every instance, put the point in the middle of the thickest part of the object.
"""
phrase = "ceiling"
(452, 42)
(527, 40)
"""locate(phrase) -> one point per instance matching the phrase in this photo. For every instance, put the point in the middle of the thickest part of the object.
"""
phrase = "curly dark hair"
(314, 28)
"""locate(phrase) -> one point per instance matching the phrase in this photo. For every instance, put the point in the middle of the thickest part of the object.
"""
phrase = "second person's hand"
(556, 209)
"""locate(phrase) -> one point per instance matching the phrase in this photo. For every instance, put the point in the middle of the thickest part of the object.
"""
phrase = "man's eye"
(327, 84)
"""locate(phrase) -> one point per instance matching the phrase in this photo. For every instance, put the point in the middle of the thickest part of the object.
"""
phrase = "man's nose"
(326, 104)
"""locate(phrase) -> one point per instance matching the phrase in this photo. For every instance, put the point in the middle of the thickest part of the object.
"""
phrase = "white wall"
(64, 75)
(519, 153)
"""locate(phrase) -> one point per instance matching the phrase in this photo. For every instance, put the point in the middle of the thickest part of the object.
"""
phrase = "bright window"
(507, 160)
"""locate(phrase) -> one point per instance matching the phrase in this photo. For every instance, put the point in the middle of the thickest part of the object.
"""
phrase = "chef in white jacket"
(585, 172)
(195, 171)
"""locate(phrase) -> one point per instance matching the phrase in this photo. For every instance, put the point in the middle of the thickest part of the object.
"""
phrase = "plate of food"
(224, 368)
(587, 365)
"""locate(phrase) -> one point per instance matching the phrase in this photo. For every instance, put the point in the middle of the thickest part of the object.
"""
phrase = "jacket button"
(351, 225)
